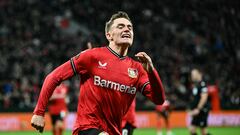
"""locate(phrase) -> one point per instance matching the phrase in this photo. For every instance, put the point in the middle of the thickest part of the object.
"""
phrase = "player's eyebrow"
(121, 24)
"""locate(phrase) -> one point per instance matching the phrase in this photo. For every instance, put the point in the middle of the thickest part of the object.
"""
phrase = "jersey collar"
(116, 54)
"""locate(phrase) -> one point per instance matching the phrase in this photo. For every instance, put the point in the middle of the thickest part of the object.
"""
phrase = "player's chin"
(126, 43)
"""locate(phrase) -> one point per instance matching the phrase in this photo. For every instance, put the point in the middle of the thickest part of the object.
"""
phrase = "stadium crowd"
(36, 36)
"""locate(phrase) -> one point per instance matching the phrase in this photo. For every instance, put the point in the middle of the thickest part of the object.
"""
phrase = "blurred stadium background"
(37, 36)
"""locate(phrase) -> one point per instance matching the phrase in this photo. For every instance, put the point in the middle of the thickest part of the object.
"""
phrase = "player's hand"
(146, 61)
(38, 122)
(89, 45)
(194, 112)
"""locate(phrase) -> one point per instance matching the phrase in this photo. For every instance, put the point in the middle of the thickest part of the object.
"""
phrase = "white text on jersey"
(114, 85)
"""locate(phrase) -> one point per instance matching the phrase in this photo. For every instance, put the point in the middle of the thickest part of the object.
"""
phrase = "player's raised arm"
(154, 88)
(52, 80)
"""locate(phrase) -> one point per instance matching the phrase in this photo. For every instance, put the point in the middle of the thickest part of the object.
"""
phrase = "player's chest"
(196, 91)
(119, 71)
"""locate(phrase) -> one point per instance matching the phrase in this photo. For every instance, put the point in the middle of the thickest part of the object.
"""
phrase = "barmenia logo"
(114, 85)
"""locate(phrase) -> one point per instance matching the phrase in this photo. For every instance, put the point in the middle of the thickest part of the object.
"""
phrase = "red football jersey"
(57, 102)
(130, 116)
(164, 107)
(108, 85)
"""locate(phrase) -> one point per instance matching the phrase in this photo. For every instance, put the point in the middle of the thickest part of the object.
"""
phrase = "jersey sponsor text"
(114, 85)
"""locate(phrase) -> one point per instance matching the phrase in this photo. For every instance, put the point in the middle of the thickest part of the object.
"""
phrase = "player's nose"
(127, 30)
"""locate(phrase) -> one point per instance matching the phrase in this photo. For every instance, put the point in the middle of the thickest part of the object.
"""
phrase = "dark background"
(37, 36)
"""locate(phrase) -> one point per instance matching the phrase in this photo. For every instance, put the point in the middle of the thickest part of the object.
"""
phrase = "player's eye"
(120, 26)
(129, 27)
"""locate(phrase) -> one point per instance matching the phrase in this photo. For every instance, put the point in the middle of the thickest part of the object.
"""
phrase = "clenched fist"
(38, 122)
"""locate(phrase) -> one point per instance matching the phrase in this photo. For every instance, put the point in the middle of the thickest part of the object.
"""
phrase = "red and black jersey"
(164, 107)
(130, 116)
(57, 102)
(108, 85)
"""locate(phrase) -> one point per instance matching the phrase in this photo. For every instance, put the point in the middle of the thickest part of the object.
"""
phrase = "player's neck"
(122, 50)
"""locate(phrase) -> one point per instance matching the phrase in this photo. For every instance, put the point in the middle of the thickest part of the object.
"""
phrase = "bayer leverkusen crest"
(133, 73)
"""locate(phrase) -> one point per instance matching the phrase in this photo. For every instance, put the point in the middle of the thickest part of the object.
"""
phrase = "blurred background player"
(163, 111)
(199, 104)
(129, 120)
(57, 108)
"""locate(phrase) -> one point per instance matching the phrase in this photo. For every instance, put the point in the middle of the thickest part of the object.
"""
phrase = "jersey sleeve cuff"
(38, 112)
(144, 86)
(73, 66)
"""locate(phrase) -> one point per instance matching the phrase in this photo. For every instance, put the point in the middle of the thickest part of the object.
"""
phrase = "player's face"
(121, 32)
(195, 76)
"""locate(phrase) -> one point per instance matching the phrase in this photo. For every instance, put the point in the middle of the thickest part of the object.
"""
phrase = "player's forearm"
(61, 73)
(48, 87)
(202, 101)
(157, 90)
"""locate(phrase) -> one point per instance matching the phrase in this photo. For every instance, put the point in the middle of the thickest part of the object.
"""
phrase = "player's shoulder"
(203, 84)
(94, 50)
(135, 62)
(91, 52)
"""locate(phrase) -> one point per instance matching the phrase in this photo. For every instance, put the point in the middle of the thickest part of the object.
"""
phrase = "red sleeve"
(159, 108)
(52, 80)
(82, 62)
(151, 86)
(77, 65)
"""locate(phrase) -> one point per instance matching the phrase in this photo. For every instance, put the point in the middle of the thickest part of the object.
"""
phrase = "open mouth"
(126, 36)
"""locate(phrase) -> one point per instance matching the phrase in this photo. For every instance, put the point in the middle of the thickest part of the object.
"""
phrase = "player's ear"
(109, 36)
